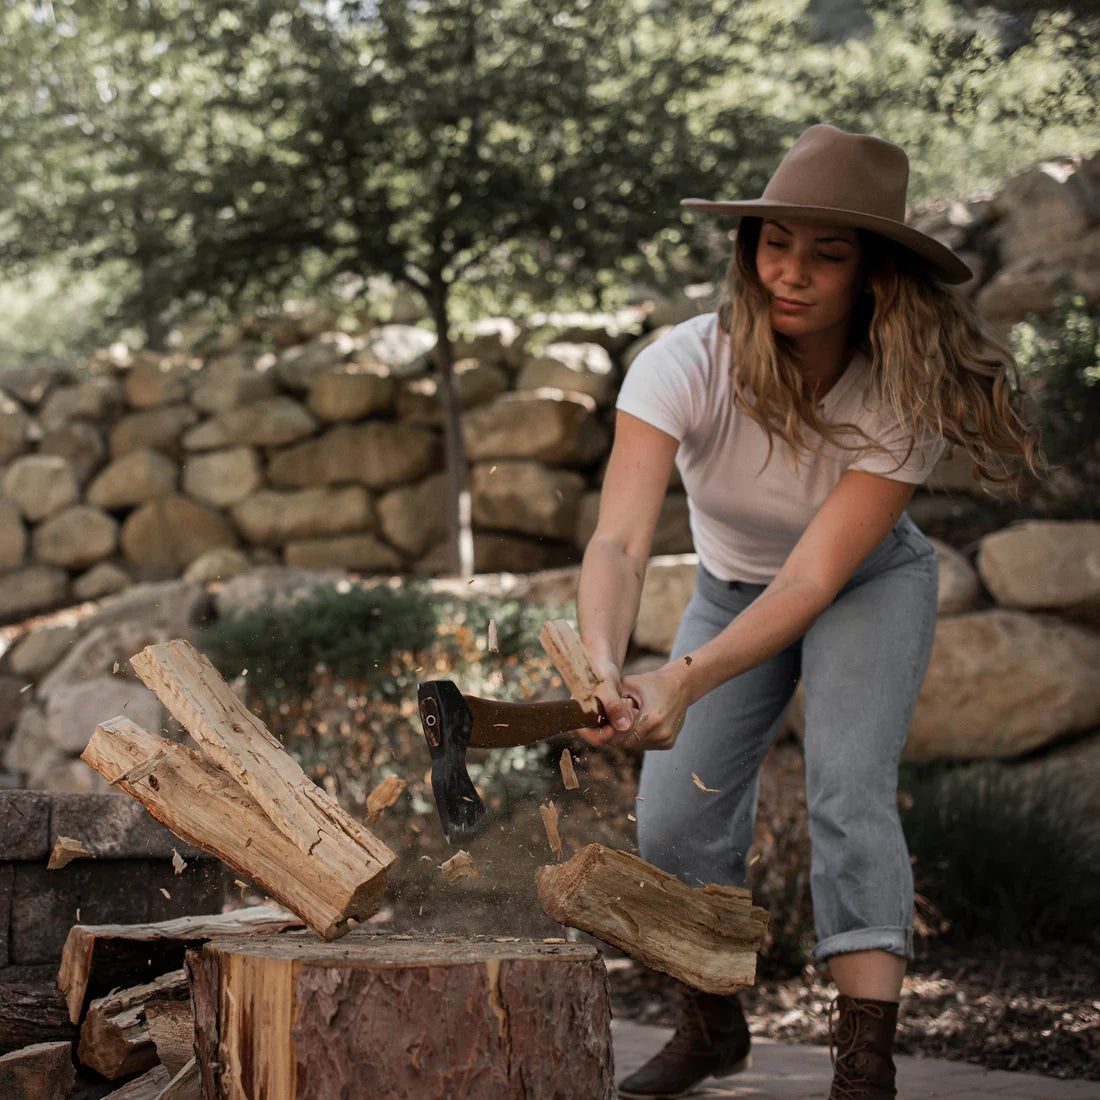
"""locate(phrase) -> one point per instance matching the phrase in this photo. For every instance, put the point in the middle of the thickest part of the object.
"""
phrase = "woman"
(802, 417)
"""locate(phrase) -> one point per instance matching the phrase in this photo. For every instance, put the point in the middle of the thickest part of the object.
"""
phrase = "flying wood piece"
(568, 775)
(383, 797)
(461, 865)
(571, 659)
(340, 879)
(706, 938)
(550, 824)
(42, 1071)
(65, 851)
(702, 786)
(100, 957)
(114, 1038)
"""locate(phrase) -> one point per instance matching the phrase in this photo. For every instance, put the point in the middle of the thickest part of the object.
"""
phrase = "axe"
(454, 722)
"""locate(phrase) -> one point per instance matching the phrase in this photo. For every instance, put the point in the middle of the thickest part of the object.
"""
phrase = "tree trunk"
(379, 1015)
(43, 1071)
(458, 505)
(706, 938)
(114, 1038)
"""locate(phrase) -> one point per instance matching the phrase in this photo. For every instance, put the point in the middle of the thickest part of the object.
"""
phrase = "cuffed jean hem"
(896, 941)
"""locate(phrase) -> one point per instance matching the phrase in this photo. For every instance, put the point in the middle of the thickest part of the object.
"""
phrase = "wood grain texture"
(114, 1037)
(172, 1029)
(33, 1013)
(241, 745)
(42, 1071)
(707, 938)
(338, 882)
(568, 655)
(100, 957)
(423, 1017)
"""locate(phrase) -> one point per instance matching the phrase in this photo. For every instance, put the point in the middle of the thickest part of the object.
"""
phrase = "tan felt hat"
(832, 176)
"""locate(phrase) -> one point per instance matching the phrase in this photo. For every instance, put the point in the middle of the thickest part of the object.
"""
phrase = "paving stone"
(115, 826)
(24, 825)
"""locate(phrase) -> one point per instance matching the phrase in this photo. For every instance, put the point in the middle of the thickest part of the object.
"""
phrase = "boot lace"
(851, 1076)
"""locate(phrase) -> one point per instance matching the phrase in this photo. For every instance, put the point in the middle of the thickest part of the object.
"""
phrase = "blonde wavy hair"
(932, 364)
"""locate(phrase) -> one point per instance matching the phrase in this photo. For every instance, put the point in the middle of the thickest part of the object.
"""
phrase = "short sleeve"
(895, 459)
(663, 383)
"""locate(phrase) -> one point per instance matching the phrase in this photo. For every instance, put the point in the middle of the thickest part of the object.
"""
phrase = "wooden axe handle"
(501, 725)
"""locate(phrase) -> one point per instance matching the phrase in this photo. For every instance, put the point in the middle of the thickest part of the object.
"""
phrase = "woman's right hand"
(620, 710)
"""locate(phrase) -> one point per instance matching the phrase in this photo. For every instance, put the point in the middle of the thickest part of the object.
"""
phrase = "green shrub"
(1059, 357)
(1001, 855)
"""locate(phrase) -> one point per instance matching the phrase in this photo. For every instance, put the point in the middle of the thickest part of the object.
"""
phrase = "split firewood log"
(114, 1037)
(42, 1071)
(171, 1028)
(33, 1013)
(186, 1084)
(707, 938)
(97, 958)
(568, 655)
(149, 1086)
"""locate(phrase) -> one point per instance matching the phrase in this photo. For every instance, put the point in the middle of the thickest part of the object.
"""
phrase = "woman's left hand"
(662, 703)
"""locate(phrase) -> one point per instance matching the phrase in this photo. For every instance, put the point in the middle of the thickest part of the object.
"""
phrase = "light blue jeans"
(862, 664)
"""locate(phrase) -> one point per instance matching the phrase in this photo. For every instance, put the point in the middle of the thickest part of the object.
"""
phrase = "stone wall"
(287, 440)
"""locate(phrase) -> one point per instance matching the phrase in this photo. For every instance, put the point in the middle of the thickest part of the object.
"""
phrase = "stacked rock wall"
(291, 441)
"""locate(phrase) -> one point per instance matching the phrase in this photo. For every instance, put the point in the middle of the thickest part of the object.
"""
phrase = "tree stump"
(391, 1016)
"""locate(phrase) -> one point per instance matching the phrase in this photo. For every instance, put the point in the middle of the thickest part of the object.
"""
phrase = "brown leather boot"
(711, 1041)
(864, 1060)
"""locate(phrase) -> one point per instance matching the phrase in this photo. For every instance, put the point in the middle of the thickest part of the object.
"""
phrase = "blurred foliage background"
(159, 157)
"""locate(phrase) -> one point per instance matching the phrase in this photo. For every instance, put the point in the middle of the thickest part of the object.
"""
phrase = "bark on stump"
(400, 1016)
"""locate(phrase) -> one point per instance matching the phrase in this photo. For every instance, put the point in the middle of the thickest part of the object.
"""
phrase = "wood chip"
(165, 893)
(383, 797)
(65, 851)
(568, 775)
(550, 823)
(554, 939)
(493, 647)
(459, 866)
(702, 786)
(179, 864)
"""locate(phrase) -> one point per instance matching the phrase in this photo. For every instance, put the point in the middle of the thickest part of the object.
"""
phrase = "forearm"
(608, 595)
(782, 613)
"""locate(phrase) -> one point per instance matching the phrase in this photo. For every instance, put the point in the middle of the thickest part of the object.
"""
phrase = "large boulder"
(154, 380)
(40, 485)
(172, 532)
(297, 367)
(274, 585)
(231, 385)
(420, 400)
(171, 607)
(103, 579)
(81, 443)
(222, 478)
(1002, 683)
(158, 429)
(378, 455)
(74, 710)
(361, 551)
(351, 392)
(1044, 564)
(273, 518)
(414, 517)
(1034, 283)
(525, 497)
(575, 368)
(99, 397)
(40, 649)
(544, 425)
(76, 537)
(1044, 207)
(272, 422)
(30, 589)
(668, 585)
(133, 478)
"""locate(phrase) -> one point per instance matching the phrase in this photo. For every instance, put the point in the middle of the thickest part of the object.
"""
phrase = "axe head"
(447, 724)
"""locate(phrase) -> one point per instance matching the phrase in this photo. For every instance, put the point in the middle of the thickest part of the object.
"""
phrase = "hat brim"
(949, 266)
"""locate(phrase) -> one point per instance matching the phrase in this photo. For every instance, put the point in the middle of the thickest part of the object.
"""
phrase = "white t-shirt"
(747, 512)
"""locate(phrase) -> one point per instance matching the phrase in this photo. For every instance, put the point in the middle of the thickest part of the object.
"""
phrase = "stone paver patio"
(792, 1071)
